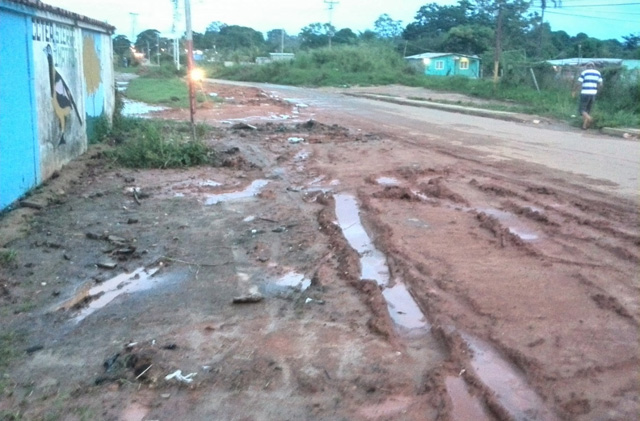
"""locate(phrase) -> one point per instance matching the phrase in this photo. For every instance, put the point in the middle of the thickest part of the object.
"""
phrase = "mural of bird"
(61, 96)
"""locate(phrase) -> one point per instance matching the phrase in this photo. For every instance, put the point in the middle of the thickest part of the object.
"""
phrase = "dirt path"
(387, 278)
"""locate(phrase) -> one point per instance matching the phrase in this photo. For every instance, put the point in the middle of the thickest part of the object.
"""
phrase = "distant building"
(447, 64)
(56, 82)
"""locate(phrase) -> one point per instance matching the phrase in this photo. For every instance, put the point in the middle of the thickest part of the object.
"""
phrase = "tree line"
(469, 27)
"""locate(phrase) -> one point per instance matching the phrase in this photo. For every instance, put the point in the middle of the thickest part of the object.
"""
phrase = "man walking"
(590, 80)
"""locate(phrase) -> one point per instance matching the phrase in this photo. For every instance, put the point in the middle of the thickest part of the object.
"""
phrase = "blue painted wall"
(19, 164)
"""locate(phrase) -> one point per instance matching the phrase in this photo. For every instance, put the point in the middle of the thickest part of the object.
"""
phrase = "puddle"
(287, 284)
(252, 190)
(465, 406)
(136, 108)
(209, 183)
(388, 181)
(139, 280)
(508, 384)
(403, 309)
(373, 263)
(294, 280)
(510, 387)
(514, 225)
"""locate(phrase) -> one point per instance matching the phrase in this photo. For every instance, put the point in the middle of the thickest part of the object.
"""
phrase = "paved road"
(609, 163)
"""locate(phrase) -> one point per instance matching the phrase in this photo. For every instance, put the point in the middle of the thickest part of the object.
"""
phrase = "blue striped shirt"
(590, 78)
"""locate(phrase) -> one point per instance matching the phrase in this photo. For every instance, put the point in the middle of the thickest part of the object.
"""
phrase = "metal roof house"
(447, 64)
(56, 81)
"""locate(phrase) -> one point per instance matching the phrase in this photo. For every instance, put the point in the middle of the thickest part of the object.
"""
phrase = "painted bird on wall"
(61, 96)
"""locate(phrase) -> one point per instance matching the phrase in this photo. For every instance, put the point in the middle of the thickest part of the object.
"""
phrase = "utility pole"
(281, 41)
(498, 51)
(158, 48)
(543, 5)
(134, 19)
(192, 96)
(330, 4)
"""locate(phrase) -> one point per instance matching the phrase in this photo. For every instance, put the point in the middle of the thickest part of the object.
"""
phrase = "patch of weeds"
(8, 415)
(8, 258)
(10, 344)
(157, 144)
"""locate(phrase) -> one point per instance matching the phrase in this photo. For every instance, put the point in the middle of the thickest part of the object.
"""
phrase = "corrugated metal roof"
(583, 61)
(38, 5)
(433, 55)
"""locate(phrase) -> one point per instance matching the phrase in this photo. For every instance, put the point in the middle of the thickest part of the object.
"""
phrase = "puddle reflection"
(510, 386)
(252, 190)
(139, 280)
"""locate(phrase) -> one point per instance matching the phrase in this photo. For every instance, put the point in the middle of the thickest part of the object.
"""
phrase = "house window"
(439, 64)
(464, 64)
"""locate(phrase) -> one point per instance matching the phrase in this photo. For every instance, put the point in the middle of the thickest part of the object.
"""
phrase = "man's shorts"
(586, 103)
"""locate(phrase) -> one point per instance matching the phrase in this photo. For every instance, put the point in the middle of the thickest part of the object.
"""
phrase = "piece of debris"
(93, 236)
(295, 140)
(132, 221)
(178, 376)
(34, 348)
(248, 298)
(107, 265)
(243, 126)
(32, 203)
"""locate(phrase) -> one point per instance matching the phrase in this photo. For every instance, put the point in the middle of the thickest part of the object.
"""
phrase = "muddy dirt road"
(346, 259)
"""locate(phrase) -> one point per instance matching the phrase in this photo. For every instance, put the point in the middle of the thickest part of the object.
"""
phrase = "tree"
(468, 39)
(146, 41)
(278, 39)
(385, 27)
(121, 45)
(631, 41)
(236, 37)
(315, 35)
(345, 36)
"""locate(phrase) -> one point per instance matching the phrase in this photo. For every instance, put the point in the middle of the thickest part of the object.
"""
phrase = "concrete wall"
(62, 82)
(19, 154)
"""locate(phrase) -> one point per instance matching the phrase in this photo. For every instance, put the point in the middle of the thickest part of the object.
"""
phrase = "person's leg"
(585, 108)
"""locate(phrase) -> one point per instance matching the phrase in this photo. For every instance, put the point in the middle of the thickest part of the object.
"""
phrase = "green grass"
(7, 257)
(171, 91)
(10, 344)
(159, 144)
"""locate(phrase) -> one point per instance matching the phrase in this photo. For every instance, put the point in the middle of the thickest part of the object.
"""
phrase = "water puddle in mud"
(509, 219)
(287, 284)
(372, 261)
(387, 181)
(140, 279)
(403, 308)
(252, 190)
(509, 386)
(465, 406)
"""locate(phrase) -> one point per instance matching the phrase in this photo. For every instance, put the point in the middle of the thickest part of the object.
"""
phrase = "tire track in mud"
(540, 218)
(518, 401)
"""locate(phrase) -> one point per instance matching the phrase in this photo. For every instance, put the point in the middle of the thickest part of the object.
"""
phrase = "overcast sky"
(603, 19)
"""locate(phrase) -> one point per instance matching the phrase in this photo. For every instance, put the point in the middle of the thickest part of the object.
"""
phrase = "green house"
(447, 64)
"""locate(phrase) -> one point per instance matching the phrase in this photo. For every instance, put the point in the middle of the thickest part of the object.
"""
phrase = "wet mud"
(391, 277)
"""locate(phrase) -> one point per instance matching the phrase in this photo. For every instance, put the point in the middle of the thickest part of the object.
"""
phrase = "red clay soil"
(526, 285)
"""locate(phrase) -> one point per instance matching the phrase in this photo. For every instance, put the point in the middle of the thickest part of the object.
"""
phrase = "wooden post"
(192, 96)
(498, 52)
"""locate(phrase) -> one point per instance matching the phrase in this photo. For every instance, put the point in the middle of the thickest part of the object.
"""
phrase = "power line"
(553, 12)
(601, 5)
